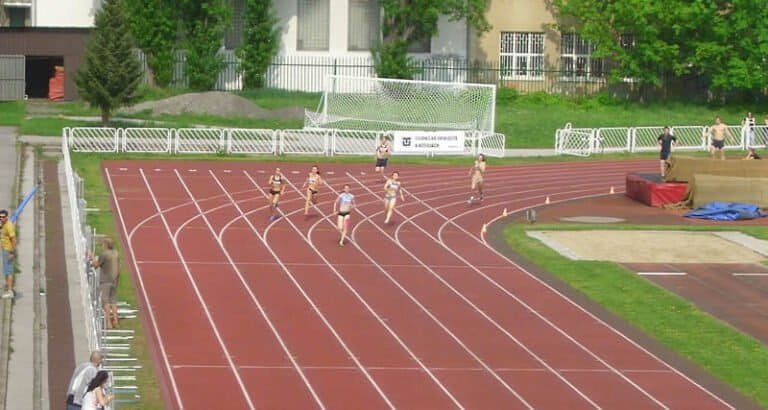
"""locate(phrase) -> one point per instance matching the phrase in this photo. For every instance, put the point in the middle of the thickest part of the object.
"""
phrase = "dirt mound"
(216, 103)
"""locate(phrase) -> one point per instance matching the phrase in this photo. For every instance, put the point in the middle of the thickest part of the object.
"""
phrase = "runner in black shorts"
(382, 156)
(666, 141)
(276, 189)
(344, 204)
(312, 183)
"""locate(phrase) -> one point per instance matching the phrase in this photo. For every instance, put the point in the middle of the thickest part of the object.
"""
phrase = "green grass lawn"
(728, 354)
(11, 113)
(98, 197)
(528, 121)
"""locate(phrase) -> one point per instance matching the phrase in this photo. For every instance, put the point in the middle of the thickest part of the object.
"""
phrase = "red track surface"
(421, 314)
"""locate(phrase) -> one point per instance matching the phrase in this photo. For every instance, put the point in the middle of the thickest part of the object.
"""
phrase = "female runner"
(313, 182)
(476, 172)
(382, 156)
(345, 203)
(276, 189)
(391, 189)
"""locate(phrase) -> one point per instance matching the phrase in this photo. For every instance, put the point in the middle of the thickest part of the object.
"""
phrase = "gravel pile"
(216, 103)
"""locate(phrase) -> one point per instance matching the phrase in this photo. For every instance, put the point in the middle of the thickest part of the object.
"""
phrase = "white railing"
(307, 141)
(586, 141)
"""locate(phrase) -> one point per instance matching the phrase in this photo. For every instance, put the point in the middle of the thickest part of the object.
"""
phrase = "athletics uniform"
(312, 182)
(345, 203)
(477, 174)
(391, 190)
(276, 185)
(666, 140)
(382, 155)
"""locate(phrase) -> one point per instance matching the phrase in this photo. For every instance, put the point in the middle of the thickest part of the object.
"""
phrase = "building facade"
(49, 34)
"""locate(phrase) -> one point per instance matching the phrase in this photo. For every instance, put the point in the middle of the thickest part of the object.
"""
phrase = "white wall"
(64, 13)
(451, 38)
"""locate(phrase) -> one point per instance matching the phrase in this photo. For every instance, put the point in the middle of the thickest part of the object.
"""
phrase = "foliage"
(203, 23)
(261, 41)
(154, 26)
(722, 44)
(111, 74)
(407, 21)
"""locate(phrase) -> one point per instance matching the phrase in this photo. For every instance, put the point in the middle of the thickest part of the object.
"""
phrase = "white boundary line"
(358, 296)
(474, 307)
(246, 287)
(152, 319)
(481, 239)
(750, 274)
(292, 278)
(661, 273)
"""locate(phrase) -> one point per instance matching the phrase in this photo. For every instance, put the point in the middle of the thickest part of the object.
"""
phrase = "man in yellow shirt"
(8, 245)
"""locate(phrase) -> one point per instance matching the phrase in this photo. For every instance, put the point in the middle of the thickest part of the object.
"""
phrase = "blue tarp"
(726, 211)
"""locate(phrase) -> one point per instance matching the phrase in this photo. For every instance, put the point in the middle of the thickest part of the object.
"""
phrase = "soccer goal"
(377, 104)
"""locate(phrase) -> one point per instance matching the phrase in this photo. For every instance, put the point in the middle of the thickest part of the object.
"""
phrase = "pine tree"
(111, 74)
(261, 41)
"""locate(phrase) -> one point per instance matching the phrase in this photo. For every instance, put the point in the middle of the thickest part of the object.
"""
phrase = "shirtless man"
(718, 132)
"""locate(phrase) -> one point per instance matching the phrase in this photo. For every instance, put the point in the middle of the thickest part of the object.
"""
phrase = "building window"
(17, 16)
(521, 55)
(313, 25)
(576, 59)
(421, 45)
(364, 24)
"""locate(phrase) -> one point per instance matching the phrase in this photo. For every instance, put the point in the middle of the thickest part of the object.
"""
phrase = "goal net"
(367, 103)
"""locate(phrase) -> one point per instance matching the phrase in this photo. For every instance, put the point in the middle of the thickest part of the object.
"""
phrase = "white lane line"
(220, 339)
(473, 306)
(140, 279)
(750, 274)
(661, 273)
(363, 302)
(245, 285)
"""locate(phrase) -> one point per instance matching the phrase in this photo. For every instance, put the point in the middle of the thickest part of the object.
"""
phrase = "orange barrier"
(56, 84)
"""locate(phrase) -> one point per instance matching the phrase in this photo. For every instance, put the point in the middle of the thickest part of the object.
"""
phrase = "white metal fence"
(308, 141)
(116, 358)
(586, 141)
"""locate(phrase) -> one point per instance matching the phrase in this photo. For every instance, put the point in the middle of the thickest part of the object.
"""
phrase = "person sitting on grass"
(752, 154)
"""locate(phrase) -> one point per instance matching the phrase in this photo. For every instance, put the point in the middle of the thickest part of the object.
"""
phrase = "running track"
(420, 314)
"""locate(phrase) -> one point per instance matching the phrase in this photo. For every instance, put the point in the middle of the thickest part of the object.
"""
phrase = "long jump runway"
(245, 313)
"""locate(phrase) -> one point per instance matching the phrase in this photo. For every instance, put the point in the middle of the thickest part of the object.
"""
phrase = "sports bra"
(346, 198)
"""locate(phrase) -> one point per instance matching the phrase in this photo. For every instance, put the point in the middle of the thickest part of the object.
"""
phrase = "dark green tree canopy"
(111, 74)
(721, 43)
(408, 21)
(261, 41)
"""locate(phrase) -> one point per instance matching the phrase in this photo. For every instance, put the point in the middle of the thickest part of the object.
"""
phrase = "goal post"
(377, 104)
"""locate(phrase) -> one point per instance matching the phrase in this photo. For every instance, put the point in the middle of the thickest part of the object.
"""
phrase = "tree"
(155, 27)
(203, 25)
(111, 72)
(407, 21)
(720, 43)
(261, 41)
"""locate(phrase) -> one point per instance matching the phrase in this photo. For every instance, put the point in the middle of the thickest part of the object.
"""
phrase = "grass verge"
(98, 196)
(728, 354)
(12, 113)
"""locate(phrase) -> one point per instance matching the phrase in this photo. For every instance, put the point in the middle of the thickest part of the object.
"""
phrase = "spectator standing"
(718, 132)
(96, 396)
(748, 125)
(8, 245)
(666, 141)
(109, 264)
(82, 375)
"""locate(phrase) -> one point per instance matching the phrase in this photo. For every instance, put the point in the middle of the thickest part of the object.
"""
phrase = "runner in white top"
(312, 183)
(345, 203)
(392, 187)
